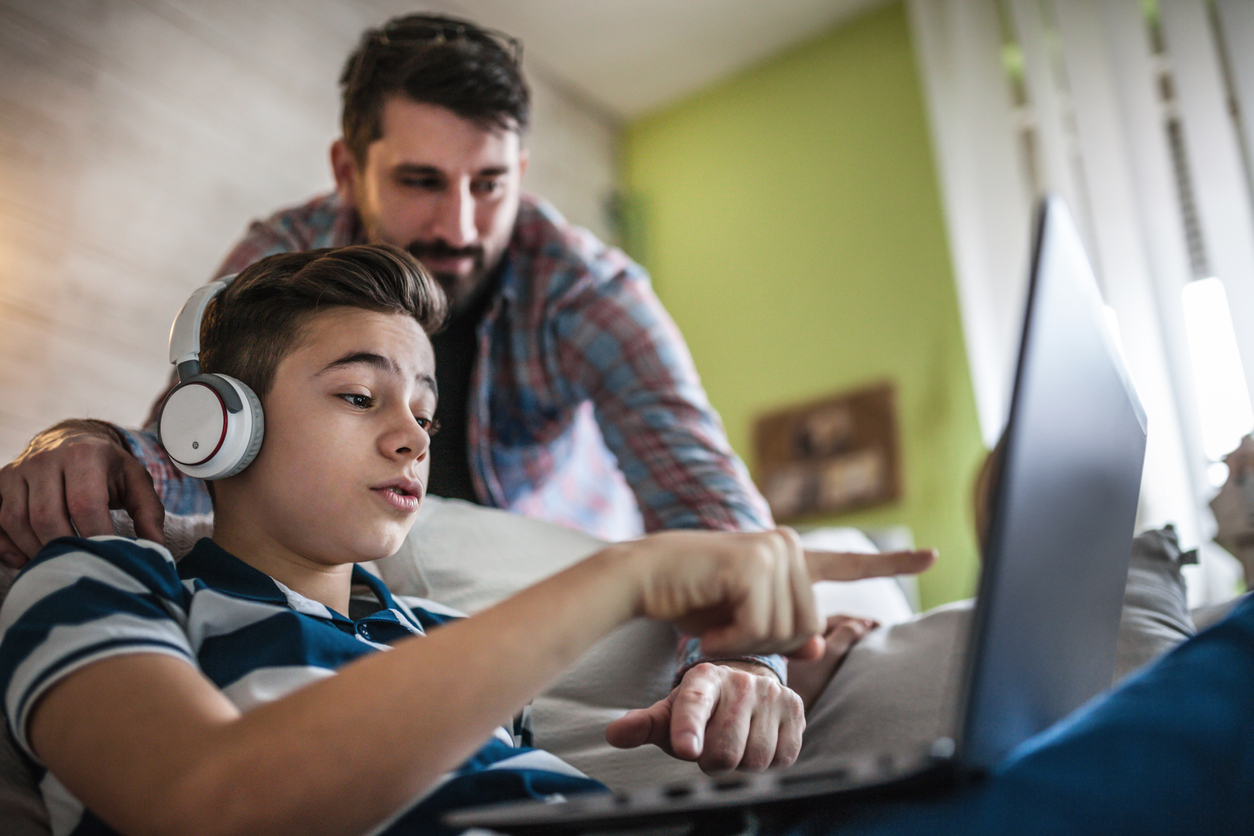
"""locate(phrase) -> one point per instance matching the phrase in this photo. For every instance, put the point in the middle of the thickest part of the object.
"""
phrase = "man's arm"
(617, 347)
(151, 746)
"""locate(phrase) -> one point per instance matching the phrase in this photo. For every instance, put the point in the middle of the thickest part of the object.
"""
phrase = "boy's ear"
(344, 168)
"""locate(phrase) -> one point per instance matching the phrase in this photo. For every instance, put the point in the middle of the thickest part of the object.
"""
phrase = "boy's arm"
(151, 746)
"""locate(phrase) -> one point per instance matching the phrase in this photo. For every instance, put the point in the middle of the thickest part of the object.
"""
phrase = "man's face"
(443, 188)
(344, 464)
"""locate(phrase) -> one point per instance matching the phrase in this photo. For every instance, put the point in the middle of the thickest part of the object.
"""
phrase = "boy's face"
(344, 464)
(439, 186)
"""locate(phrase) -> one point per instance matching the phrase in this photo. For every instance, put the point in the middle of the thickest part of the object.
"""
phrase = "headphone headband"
(185, 332)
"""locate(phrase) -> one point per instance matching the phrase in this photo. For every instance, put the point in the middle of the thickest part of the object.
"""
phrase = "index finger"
(850, 566)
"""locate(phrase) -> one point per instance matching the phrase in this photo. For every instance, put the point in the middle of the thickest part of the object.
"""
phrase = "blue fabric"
(1170, 751)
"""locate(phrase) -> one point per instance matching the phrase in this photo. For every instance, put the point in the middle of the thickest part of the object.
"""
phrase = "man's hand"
(65, 482)
(726, 715)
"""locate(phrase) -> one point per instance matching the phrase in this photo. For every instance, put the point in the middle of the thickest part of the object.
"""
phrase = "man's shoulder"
(313, 223)
(323, 221)
(554, 256)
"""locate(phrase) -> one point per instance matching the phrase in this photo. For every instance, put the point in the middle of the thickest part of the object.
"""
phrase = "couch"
(894, 685)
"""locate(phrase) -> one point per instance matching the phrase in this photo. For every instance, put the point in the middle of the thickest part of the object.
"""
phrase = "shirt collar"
(346, 225)
(223, 571)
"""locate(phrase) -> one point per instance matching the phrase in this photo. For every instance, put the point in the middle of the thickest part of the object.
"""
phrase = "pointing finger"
(850, 566)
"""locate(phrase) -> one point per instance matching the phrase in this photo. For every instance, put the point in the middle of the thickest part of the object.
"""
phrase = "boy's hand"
(65, 482)
(750, 593)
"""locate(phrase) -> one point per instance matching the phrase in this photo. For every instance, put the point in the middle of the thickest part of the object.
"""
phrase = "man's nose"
(455, 221)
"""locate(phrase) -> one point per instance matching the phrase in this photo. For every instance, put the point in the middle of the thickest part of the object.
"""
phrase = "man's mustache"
(439, 249)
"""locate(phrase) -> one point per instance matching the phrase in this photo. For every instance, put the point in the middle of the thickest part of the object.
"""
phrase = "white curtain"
(1081, 98)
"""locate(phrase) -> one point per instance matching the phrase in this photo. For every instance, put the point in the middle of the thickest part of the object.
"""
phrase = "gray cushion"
(897, 686)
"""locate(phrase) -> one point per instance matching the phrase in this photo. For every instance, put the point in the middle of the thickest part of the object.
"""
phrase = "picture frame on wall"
(829, 456)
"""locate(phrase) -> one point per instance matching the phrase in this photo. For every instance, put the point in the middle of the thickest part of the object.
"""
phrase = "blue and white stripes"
(80, 601)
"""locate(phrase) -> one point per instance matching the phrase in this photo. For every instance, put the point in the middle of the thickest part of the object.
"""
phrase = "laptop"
(1046, 617)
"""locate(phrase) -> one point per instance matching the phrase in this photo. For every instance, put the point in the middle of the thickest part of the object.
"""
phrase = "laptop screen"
(1063, 510)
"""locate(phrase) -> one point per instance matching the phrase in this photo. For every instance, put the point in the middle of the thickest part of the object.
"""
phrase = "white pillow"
(468, 557)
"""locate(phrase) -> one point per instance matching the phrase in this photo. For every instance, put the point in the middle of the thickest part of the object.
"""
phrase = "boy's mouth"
(402, 494)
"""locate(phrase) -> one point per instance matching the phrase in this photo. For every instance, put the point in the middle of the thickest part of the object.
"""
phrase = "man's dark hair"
(439, 60)
(260, 317)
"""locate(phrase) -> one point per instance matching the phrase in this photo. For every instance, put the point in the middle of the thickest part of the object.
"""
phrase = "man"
(566, 391)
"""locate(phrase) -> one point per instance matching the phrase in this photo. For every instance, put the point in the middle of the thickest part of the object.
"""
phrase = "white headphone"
(210, 424)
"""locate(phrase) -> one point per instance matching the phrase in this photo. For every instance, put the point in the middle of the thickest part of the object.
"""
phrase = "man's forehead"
(419, 133)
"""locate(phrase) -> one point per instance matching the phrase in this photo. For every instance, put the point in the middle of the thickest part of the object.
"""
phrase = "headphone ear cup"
(212, 426)
(249, 441)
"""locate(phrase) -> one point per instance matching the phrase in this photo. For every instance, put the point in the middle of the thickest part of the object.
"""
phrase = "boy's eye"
(431, 425)
(359, 401)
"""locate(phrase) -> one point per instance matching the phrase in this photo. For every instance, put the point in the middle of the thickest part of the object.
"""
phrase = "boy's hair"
(439, 60)
(260, 317)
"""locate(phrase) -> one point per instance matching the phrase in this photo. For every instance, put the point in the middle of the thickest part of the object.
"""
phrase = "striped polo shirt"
(81, 600)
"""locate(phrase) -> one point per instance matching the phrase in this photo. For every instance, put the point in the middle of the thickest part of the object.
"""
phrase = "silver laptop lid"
(1063, 511)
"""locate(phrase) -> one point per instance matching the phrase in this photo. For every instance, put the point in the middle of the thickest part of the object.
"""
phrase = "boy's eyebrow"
(378, 361)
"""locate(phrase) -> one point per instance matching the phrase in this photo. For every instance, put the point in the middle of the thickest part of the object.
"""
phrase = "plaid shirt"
(585, 407)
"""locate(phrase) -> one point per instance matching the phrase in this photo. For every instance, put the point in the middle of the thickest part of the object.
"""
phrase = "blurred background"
(829, 195)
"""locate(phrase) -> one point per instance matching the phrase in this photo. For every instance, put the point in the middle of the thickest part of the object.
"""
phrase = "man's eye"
(431, 425)
(487, 187)
(425, 183)
(359, 401)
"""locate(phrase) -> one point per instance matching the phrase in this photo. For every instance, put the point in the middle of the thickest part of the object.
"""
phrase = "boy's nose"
(407, 439)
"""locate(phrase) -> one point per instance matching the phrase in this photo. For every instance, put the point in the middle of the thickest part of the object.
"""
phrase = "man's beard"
(460, 290)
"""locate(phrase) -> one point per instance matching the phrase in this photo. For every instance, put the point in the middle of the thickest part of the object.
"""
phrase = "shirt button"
(365, 631)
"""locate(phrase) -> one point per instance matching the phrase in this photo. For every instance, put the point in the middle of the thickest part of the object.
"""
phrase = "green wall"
(791, 220)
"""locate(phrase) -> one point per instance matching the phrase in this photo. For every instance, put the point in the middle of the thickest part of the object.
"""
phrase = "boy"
(242, 691)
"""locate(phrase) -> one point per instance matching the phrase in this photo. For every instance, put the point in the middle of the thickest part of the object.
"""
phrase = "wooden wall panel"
(139, 137)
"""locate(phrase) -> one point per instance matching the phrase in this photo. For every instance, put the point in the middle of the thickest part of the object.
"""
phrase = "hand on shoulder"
(65, 482)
